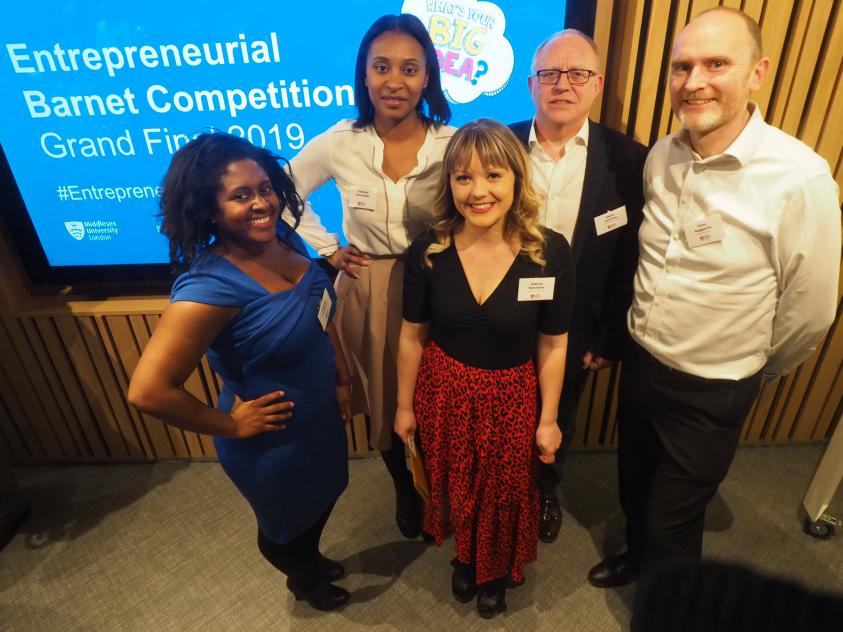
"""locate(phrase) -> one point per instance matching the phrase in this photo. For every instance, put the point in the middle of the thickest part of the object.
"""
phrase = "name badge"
(363, 198)
(610, 220)
(324, 309)
(705, 231)
(536, 289)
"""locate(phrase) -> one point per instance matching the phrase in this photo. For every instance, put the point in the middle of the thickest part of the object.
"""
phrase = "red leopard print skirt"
(477, 428)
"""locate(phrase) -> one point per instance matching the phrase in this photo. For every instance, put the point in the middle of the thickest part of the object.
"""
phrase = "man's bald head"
(753, 30)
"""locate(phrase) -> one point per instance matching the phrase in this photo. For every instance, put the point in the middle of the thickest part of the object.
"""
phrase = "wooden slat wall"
(64, 371)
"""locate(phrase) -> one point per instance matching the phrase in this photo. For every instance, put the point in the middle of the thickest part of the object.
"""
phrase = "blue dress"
(290, 477)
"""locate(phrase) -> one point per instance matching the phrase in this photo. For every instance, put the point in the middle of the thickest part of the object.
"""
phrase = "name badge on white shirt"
(324, 309)
(363, 198)
(610, 220)
(536, 289)
(704, 231)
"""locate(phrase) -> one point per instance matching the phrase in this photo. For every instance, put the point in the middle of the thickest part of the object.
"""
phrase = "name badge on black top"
(536, 288)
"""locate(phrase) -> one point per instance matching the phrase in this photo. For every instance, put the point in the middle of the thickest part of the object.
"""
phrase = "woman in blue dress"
(252, 300)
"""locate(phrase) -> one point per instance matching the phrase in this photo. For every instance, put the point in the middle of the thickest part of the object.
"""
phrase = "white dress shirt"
(765, 295)
(558, 183)
(353, 158)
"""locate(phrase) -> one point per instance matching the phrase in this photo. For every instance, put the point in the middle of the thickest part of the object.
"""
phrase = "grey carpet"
(172, 547)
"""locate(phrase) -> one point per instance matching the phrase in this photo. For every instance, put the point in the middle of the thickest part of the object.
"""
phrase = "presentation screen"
(97, 96)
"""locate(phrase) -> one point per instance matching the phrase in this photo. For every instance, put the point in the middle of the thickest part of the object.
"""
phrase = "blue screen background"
(317, 42)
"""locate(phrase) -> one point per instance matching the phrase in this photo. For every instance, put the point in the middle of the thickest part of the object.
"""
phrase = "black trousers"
(677, 437)
(549, 475)
(297, 558)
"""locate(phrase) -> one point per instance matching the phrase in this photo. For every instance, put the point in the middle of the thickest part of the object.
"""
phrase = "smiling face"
(482, 194)
(247, 206)
(561, 105)
(714, 69)
(395, 75)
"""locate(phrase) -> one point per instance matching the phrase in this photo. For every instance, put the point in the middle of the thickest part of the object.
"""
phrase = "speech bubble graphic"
(469, 35)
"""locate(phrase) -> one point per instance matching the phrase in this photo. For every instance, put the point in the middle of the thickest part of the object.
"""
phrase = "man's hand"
(594, 362)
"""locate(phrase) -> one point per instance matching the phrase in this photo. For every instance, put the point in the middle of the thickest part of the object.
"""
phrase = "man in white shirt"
(737, 278)
(588, 178)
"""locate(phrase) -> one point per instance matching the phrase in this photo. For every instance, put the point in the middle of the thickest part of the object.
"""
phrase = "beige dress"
(381, 218)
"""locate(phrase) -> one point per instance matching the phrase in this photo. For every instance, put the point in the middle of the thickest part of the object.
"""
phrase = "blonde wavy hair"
(496, 146)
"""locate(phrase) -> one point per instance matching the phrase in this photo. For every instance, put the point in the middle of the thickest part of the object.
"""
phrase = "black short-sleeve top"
(501, 332)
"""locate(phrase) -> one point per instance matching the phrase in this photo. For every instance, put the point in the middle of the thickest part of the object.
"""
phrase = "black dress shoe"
(550, 521)
(408, 515)
(323, 596)
(614, 571)
(463, 583)
(491, 599)
(330, 570)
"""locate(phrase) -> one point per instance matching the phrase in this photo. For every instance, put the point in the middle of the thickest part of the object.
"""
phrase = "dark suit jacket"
(605, 265)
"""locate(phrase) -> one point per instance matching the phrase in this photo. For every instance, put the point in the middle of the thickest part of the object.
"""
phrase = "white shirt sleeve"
(807, 251)
(311, 168)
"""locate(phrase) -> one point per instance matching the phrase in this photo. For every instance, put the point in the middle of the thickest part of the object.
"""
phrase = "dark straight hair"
(433, 106)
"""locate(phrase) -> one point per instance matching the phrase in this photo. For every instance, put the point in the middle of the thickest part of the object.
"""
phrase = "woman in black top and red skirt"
(487, 302)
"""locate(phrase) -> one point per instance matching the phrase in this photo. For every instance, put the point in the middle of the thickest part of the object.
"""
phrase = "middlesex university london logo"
(76, 230)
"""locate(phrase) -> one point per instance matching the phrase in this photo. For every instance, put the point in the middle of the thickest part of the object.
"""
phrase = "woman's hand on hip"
(263, 414)
(347, 259)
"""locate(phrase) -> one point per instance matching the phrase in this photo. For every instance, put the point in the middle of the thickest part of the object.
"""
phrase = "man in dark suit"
(588, 178)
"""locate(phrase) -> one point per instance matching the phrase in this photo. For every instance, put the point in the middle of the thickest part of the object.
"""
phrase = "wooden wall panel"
(65, 366)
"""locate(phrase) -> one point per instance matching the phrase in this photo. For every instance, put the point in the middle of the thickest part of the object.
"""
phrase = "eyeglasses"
(576, 76)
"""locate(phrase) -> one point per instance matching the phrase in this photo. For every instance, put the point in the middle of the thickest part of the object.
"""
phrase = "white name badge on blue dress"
(324, 309)
(536, 288)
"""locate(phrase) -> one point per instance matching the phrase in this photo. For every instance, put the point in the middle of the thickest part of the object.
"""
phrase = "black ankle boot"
(322, 596)
(491, 598)
(463, 583)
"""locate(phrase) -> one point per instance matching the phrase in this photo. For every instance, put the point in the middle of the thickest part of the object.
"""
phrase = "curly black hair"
(190, 186)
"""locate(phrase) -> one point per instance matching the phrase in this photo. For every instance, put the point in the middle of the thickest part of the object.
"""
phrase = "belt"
(400, 257)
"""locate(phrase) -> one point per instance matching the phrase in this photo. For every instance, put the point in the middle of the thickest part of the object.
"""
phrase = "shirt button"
(676, 236)
(668, 269)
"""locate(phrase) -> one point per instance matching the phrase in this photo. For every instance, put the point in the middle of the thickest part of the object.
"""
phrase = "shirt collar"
(581, 137)
(743, 148)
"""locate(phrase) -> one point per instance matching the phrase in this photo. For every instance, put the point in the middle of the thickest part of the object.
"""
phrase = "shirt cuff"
(327, 251)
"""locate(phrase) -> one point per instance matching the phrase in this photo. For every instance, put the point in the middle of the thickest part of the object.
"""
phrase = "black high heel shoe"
(491, 598)
(329, 570)
(408, 516)
(323, 596)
